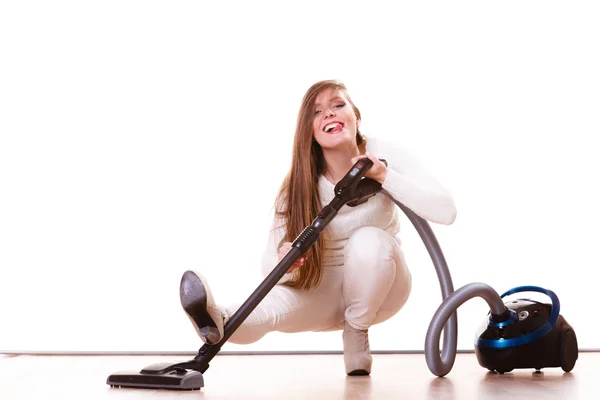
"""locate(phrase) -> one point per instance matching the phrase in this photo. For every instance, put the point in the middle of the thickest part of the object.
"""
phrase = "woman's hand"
(378, 171)
(283, 250)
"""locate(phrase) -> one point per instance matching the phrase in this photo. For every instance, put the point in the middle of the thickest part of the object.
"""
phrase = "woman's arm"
(411, 184)
(270, 257)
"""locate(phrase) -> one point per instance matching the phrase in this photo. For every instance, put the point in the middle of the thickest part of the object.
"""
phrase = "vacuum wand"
(351, 189)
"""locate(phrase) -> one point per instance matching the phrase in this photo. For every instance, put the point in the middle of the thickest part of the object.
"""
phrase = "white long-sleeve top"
(407, 181)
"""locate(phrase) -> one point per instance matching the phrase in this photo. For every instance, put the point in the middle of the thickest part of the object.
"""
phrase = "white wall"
(139, 139)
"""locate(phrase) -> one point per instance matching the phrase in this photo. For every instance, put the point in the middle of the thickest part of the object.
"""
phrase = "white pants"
(372, 285)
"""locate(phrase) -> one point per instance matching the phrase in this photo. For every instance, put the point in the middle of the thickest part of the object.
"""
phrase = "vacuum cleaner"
(521, 333)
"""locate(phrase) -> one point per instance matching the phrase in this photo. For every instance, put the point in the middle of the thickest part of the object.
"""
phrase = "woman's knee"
(396, 299)
(370, 247)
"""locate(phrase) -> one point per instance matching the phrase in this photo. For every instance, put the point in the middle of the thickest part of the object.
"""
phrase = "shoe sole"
(359, 372)
(193, 296)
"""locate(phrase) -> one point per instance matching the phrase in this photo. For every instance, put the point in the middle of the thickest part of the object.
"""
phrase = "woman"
(355, 275)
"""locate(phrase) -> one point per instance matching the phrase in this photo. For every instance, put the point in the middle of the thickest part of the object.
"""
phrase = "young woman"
(355, 275)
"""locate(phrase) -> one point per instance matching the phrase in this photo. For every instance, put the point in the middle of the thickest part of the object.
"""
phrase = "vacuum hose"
(445, 317)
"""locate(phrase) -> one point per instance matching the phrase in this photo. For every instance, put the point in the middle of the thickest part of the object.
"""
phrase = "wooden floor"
(295, 377)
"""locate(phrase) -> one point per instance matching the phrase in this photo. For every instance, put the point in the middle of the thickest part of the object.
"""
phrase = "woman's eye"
(339, 105)
(317, 112)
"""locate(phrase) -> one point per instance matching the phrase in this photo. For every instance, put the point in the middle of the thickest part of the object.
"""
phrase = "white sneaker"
(199, 305)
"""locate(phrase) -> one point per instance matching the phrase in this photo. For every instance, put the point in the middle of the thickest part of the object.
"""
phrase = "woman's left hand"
(378, 171)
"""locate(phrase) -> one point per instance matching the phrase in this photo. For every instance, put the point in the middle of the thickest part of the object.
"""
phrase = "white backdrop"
(142, 138)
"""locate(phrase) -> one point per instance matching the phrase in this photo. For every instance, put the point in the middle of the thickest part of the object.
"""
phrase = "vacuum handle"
(353, 177)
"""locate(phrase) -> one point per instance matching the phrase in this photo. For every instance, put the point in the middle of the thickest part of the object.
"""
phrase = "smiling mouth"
(334, 125)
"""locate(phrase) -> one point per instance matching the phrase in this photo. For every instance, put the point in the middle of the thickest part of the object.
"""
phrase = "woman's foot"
(199, 305)
(357, 354)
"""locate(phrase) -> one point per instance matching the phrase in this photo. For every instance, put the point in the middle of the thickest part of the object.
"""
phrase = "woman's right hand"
(284, 249)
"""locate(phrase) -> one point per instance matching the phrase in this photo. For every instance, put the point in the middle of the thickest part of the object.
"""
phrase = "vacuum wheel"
(568, 350)
(503, 371)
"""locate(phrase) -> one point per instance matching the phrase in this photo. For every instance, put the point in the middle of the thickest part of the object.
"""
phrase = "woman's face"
(334, 120)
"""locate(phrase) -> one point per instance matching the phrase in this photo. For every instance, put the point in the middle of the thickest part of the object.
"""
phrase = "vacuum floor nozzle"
(177, 379)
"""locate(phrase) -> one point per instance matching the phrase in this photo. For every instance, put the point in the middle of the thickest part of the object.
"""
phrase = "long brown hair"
(298, 201)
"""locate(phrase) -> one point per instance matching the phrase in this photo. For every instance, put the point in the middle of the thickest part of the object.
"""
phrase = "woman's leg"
(289, 310)
(377, 282)
(376, 286)
(283, 309)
